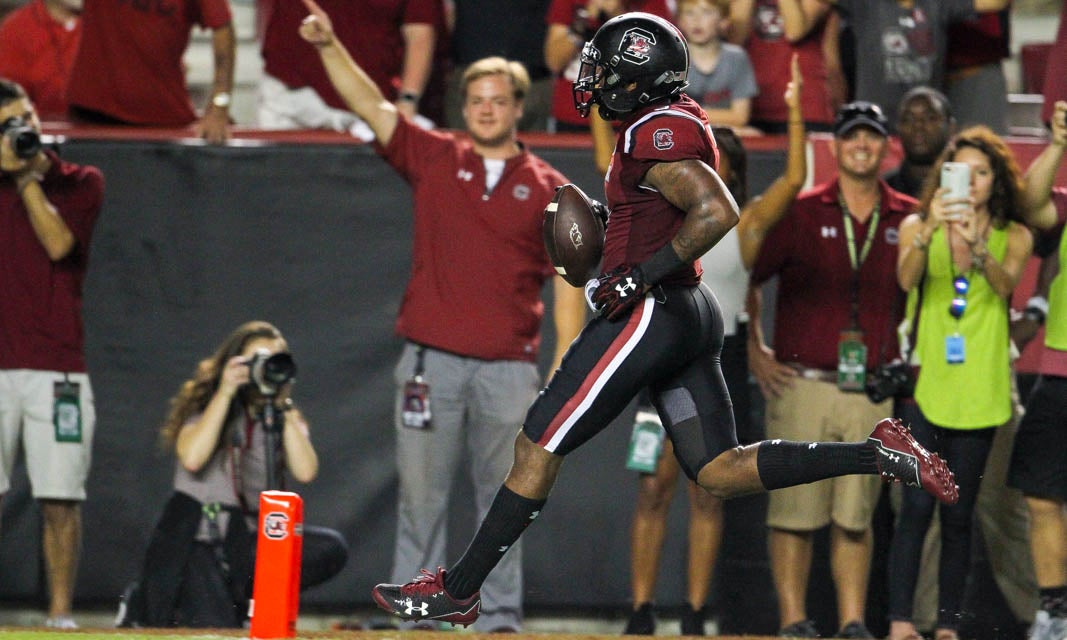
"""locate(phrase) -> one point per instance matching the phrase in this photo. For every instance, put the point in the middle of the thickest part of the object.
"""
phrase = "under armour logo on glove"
(619, 291)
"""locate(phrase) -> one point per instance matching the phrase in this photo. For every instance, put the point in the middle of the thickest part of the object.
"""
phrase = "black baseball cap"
(860, 114)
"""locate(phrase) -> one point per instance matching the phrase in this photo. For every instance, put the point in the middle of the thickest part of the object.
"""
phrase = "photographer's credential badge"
(646, 442)
(851, 361)
(416, 413)
(66, 411)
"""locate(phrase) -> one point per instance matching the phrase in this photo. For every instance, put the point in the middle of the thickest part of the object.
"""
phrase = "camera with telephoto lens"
(271, 371)
(25, 141)
(892, 380)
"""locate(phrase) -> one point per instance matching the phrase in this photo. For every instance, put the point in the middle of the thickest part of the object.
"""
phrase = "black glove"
(601, 211)
(619, 291)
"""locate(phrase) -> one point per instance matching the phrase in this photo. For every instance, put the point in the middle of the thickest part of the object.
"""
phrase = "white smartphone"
(956, 177)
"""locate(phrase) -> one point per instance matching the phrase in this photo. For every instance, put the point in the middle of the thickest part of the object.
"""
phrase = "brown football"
(574, 235)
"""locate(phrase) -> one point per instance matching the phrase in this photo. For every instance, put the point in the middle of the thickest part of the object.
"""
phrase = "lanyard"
(850, 234)
(853, 259)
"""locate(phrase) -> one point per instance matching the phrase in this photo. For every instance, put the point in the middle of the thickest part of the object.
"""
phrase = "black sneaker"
(425, 598)
(855, 629)
(692, 621)
(641, 622)
(802, 629)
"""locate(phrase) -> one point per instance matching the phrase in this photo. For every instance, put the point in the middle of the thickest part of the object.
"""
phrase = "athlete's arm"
(695, 188)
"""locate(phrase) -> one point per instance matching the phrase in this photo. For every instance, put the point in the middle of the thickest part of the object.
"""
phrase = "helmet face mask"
(633, 60)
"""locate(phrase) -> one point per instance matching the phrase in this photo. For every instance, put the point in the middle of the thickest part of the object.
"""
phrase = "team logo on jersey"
(663, 139)
(892, 236)
(636, 45)
(276, 525)
(521, 192)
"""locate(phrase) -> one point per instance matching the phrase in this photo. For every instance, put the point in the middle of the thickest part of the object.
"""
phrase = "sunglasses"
(959, 301)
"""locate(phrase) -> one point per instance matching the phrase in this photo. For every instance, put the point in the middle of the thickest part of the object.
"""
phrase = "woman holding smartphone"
(960, 258)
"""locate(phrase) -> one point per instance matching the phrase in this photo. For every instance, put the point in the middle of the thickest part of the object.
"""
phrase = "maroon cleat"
(425, 598)
(902, 459)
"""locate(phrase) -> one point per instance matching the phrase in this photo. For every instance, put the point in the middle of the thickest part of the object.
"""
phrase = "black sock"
(1054, 601)
(782, 463)
(508, 517)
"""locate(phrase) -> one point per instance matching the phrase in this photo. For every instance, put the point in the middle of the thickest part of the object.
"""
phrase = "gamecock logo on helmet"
(276, 525)
(636, 45)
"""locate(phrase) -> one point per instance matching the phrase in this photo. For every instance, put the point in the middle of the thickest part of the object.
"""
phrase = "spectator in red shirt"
(838, 303)
(47, 211)
(129, 66)
(772, 32)
(974, 77)
(393, 41)
(37, 46)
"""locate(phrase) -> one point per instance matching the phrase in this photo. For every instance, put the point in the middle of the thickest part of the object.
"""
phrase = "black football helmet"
(633, 60)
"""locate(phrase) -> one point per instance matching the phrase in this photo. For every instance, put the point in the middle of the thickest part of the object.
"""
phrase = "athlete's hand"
(619, 291)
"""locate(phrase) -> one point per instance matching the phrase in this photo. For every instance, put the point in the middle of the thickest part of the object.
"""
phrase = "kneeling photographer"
(234, 430)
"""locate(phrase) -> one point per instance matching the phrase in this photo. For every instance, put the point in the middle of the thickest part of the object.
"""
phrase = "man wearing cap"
(837, 308)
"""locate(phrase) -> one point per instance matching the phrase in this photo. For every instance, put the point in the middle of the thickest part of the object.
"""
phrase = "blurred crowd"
(416, 53)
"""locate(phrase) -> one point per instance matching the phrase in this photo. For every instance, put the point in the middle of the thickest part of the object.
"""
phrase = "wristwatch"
(221, 100)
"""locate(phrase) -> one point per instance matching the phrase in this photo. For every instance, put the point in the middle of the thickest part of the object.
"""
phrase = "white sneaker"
(1046, 627)
(61, 622)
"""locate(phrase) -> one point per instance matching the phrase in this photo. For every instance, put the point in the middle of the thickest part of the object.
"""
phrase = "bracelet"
(408, 96)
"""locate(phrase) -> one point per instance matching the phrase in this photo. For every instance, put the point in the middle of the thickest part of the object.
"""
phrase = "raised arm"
(800, 17)
(300, 456)
(1038, 208)
(419, 42)
(740, 24)
(214, 125)
(763, 212)
(52, 232)
(349, 80)
(198, 440)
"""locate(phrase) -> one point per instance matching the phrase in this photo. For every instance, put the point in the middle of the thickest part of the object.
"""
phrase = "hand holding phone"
(956, 178)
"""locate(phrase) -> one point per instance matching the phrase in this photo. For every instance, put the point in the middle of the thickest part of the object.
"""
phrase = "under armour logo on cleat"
(813, 445)
(410, 608)
(503, 549)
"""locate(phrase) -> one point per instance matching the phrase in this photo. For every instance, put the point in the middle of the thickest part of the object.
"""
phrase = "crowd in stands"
(929, 72)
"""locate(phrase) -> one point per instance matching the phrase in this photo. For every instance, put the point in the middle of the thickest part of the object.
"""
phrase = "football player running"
(656, 326)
